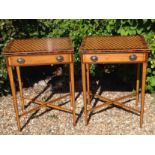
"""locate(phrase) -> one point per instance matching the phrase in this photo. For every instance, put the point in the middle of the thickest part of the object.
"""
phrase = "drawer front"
(114, 58)
(39, 60)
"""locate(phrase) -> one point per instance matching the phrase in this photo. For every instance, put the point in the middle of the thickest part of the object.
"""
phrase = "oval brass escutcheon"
(133, 57)
(21, 61)
(94, 58)
(60, 58)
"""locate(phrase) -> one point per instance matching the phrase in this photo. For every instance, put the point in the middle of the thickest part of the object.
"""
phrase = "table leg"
(137, 85)
(20, 86)
(84, 92)
(88, 83)
(13, 89)
(72, 91)
(143, 92)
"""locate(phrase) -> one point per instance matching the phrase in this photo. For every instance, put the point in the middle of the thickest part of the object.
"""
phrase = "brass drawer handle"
(21, 61)
(60, 58)
(94, 58)
(133, 57)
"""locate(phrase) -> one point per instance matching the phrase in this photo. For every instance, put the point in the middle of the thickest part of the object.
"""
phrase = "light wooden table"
(113, 50)
(33, 52)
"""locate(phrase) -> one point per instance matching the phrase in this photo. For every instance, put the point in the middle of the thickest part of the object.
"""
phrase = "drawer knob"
(94, 58)
(21, 61)
(60, 58)
(133, 57)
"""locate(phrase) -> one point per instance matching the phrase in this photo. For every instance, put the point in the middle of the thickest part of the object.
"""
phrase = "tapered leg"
(20, 86)
(88, 83)
(72, 90)
(13, 89)
(137, 85)
(143, 93)
(84, 92)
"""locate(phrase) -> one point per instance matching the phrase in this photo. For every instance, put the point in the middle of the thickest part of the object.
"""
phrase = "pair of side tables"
(93, 50)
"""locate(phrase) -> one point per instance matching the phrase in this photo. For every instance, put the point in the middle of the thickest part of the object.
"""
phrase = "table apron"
(114, 58)
(39, 60)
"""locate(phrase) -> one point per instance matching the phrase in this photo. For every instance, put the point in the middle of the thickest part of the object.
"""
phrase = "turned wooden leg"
(84, 92)
(137, 85)
(72, 92)
(20, 86)
(88, 83)
(143, 93)
(13, 89)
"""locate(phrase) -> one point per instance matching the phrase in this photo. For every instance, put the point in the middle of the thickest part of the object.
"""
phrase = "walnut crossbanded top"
(113, 44)
(38, 46)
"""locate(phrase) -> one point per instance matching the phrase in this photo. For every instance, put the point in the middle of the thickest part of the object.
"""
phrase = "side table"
(111, 50)
(33, 52)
